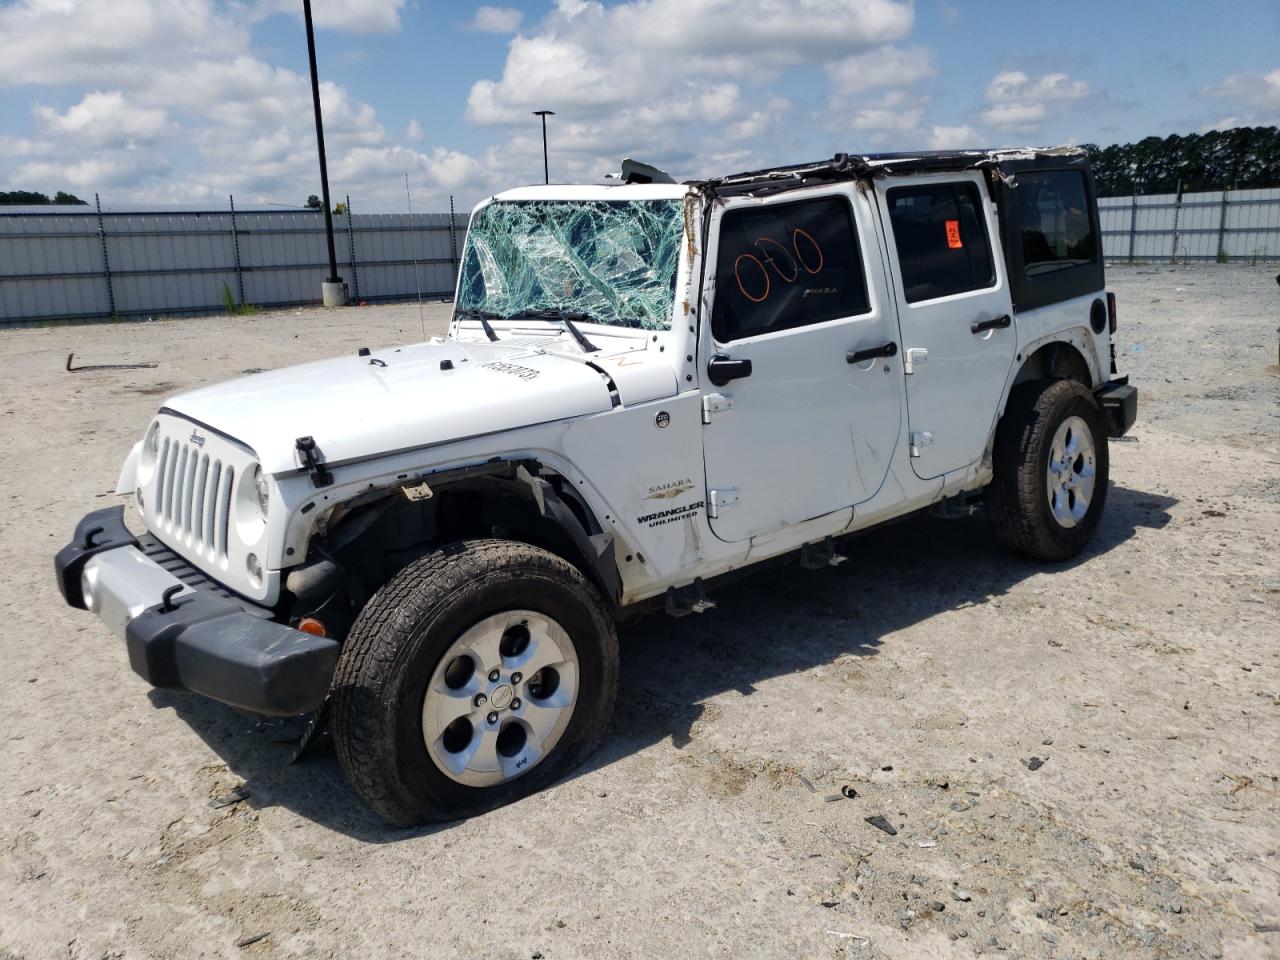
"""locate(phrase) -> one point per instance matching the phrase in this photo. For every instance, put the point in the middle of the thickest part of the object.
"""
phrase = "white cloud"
(110, 44)
(888, 66)
(1014, 85)
(1015, 115)
(953, 138)
(1020, 102)
(104, 118)
(1257, 93)
(174, 108)
(497, 19)
(349, 16)
(413, 131)
(674, 80)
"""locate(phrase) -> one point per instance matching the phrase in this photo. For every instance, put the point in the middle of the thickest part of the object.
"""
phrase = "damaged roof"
(853, 166)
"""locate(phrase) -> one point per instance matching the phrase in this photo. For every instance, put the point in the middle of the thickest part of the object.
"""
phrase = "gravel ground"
(928, 676)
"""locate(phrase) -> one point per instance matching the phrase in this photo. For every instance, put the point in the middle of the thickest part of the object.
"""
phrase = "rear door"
(798, 287)
(952, 289)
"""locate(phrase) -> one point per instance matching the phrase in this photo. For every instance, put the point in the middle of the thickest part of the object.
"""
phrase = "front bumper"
(181, 638)
(1119, 402)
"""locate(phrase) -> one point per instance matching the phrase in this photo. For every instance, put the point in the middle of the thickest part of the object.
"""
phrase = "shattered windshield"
(614, 260)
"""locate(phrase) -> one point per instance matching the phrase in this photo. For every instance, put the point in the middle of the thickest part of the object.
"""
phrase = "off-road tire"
(1017, 502)
(401, 636)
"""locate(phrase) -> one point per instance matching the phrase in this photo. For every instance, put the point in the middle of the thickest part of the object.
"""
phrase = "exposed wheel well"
(1055, 361)
(372, 539)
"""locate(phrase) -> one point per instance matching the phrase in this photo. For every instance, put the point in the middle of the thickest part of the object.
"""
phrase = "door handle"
(999, 323)
(889, 349)
(722, 369)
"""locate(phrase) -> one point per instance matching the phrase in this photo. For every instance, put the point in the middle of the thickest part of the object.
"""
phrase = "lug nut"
(517, 677)
(493, 676)
(515, 704)
(493, 718)
(481, 700)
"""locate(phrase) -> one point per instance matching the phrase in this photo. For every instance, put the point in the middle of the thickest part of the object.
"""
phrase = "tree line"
(1237, 159)
(29, 198)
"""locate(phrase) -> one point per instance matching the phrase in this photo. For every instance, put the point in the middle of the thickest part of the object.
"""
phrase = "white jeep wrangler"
(646, 387)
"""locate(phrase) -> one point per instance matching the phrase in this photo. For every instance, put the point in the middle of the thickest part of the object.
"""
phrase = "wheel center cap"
(501, 697)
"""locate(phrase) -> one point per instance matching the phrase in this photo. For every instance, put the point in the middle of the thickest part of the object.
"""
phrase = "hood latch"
(311, 462)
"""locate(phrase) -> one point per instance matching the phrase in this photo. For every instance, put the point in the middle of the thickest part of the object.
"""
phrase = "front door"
(954, 310)
(799, 295)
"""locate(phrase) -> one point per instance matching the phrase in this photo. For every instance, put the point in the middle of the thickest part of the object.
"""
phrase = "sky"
(183, 102)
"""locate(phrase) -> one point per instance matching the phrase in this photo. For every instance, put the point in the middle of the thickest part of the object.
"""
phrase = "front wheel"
(478, 675)
(1050, 465)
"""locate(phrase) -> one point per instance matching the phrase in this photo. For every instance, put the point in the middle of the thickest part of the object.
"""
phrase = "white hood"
(400, 397)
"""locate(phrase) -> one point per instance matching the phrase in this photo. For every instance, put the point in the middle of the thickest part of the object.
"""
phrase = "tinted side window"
(941, 238)
(1052, 213)
(787, 265)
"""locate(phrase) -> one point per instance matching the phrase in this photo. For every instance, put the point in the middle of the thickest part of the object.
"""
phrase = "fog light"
(137, 497)
(255, 568)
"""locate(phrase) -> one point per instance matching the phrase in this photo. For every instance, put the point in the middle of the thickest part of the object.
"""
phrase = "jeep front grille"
(192, 497)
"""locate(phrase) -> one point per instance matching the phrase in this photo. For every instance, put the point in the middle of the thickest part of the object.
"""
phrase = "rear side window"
(939, 232)
(1053, 216)
(787, 265)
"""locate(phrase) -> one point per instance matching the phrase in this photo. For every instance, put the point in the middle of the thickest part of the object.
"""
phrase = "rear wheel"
(478, 675)
(1050, 470)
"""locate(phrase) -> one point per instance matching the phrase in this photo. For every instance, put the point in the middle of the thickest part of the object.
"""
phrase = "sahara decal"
(666, 491)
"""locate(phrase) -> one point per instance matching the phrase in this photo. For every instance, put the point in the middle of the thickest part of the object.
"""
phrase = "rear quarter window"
(941, 239)
(1052, 242)
(1054, 223)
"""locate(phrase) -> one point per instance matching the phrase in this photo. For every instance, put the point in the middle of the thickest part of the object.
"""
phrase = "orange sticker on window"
(953, 234)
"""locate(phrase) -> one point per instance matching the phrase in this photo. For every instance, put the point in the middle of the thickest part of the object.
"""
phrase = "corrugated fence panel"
(52, 265)
(1237, 224)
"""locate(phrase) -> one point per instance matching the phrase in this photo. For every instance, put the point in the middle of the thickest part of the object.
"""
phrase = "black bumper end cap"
(1119, 402)
(205, 645)
(96, 533)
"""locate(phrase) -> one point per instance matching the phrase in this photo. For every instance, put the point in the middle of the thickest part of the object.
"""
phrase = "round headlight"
(150, 451)
(262, 489)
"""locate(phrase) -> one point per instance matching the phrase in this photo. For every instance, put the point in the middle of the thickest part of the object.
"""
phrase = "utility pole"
(334, 291)
(546, 170)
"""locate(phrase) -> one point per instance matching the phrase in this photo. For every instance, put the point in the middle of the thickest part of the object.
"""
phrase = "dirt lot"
(926, 674)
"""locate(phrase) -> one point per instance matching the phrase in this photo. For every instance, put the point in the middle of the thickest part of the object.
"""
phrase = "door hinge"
(912, 357)
(721, 500)
(714, 404)
(919, 440)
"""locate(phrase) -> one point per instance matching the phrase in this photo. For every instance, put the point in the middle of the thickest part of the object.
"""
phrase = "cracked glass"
(614, 260)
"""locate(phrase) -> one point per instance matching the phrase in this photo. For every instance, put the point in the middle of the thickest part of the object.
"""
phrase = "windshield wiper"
(565, 317)
(483, 316)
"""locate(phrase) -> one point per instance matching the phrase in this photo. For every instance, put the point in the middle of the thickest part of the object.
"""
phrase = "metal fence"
(96, 264)
(1231, 225)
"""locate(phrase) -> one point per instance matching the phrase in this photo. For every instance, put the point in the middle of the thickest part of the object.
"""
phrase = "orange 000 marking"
(795, 264)
(738, 276)
(795, 245)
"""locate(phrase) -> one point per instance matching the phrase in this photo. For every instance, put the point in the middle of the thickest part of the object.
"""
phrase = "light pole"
(333, 293)
(546, 170)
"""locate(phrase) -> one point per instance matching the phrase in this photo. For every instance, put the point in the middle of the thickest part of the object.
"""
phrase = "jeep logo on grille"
(197, 439)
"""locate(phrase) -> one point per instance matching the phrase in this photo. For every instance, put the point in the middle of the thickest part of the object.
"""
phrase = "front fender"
(127, 481)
